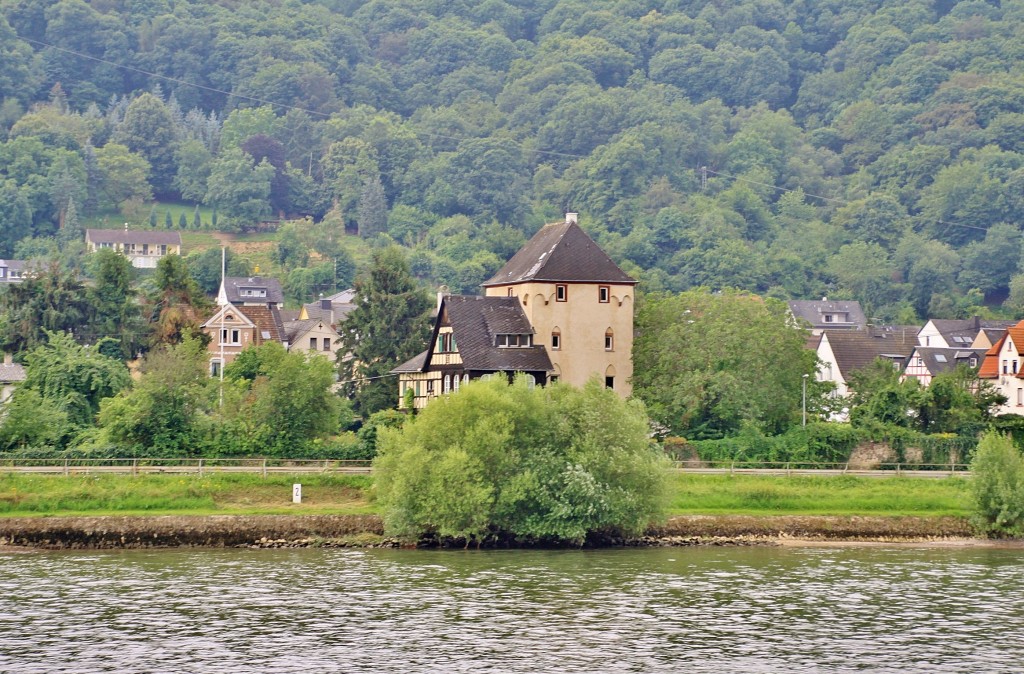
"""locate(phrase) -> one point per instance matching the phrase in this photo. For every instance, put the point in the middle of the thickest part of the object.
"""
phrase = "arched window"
(455, 383)
(447, 383)
(465, 378)
(609, 340)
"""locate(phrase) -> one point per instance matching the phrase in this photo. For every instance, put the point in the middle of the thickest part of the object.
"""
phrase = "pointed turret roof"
(560, 252)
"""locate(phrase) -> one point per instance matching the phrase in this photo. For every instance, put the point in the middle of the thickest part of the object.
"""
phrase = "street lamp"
(805, 401)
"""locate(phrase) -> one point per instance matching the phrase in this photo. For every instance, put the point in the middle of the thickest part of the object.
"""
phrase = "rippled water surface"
(845, 609)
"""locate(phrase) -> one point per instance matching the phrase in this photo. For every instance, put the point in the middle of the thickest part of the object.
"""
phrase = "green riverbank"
(218, 510)
(27, 495)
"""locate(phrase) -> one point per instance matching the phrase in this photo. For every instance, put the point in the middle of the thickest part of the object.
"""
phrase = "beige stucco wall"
(582, 321)
(320, 332)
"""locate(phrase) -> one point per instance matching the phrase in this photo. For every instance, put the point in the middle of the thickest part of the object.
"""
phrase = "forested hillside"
(858, 148)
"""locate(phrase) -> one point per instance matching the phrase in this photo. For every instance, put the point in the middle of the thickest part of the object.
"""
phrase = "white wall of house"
(828, 370)
(1009, 382)
(929, 336)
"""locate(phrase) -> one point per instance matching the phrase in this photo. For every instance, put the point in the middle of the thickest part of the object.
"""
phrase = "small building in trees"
(825, 314)
(842, 352)
(312, 335)
(927, 361)
(12, 271)
(560, 309)
(143, 248)
(11, 376)
(251, 291)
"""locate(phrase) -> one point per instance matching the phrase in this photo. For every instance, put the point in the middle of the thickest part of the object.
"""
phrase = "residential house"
(12, 271)
(1003, 366)
(843, 352)
(825, 314)
(143, 248)
(11, 376)
(473, 337)
(960, 334)
(331, 309)
(252, 291)
(559, 309)
(312, 335)
(248, 314)
(927, 361)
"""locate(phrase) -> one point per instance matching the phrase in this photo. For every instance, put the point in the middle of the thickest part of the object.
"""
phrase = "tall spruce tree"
(390, 324)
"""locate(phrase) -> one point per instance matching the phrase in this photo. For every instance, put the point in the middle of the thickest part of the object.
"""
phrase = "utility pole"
(805, 402)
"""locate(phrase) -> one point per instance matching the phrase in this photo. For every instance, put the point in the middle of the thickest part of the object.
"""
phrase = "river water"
(789, 609)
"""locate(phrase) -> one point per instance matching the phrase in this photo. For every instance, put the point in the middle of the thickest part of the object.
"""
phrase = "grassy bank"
(235, 494)
(838, 495)
(215, 494)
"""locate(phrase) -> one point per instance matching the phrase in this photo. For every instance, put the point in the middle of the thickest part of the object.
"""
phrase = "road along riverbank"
(97, 533)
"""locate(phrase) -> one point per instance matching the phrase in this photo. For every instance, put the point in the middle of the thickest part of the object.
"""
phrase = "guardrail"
(814, 468)
(299, 466)
(197, 466)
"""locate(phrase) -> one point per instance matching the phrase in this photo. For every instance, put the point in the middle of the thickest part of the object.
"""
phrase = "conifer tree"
(182, 221)
(168, 222)
(197, 220)
(390, 324)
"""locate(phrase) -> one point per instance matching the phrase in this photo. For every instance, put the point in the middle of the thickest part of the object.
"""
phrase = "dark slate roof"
(476, 320)
(233, 286)
(414, 364)
(560, 252)
(133, 236)
(962, 333)
(938, 359)
(812, 310)
(295, 328)
(332, 309)
(855, 349)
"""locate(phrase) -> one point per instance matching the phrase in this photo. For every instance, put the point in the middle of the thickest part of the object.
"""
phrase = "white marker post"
(296, 493)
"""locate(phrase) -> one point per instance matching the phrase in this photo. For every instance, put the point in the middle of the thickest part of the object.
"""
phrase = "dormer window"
(446, 342)
(253, 292)
(513, 341)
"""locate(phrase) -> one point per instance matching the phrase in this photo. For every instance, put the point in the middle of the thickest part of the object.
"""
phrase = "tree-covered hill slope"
(860, 148)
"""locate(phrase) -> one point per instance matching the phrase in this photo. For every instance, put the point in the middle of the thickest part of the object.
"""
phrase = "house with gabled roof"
(843, 352)
(232, 329)
(959, 333)
(251, 291)
(825, 314)
(144, 248)
(560, 309)
(312, 335)
(1003, 366)
(12, 271)
(927, 361)
(333, 309)
(12, 375)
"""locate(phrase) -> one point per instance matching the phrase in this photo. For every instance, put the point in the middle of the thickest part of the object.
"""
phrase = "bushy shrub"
(552, 463)
(997, 486)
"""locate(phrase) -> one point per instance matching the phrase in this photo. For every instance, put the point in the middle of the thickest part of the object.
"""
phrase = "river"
(704, 609)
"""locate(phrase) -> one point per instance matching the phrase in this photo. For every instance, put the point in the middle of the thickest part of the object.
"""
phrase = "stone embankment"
(277, 531)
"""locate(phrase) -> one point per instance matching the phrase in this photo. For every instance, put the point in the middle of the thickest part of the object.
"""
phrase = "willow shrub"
(552, 463)
(997, 486)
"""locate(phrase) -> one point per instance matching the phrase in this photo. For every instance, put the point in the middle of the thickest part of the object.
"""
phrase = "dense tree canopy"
(531, 462)
(797, 149)
(708, 363)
